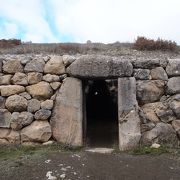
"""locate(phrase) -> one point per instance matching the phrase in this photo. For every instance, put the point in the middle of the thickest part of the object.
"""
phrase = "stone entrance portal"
(87, 107)
(101, 113)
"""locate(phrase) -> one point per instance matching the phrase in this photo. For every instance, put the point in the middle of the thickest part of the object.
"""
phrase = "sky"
(107, 21)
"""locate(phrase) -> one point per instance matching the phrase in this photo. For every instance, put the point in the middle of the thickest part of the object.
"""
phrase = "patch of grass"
(8, 152)
(151, 151)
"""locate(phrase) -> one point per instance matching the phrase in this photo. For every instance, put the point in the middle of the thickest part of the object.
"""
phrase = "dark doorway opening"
(101, 113)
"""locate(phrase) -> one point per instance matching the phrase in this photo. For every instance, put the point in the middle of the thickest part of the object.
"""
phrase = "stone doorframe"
(67, 118)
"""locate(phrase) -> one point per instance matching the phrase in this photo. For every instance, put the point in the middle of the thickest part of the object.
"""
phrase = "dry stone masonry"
(41, 98)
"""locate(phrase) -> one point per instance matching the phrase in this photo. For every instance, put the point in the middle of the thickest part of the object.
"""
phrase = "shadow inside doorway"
(101, 113)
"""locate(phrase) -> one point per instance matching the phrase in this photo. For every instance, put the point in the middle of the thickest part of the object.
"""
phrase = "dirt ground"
(91, 166)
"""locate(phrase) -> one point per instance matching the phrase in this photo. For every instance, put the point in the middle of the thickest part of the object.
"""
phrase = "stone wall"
(28, 86)
(29, 109)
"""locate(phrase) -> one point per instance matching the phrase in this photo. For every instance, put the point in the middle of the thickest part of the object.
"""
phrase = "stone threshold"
(100, 150)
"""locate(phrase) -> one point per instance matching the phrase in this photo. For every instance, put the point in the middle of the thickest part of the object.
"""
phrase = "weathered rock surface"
(166, 115)
(35, 66)
(25, 60)
(149, 111)
(66, 119)
(147, 126)
(67, 60)
(173, 67)
(163, 133)
(34, 77)
(33, 105)
(93, 66)
(12, 67)
(5, 117)
(175, 106)
(4, 133)
(50, 78)
(3, 142)
(2, 102)
(14, 137)
(20, 79)
(173, 85)
(159, 74)
(176, 126)
(38, 131)
(149, 63)
(129, 120)
(42, 114)
(5, 80)
(41, 91)
(55, 85)
(19, 120)
(48, 104)
(149, 91)
(25, 95)
(10, 135)
(143, 74)
(11, 90)
(16, 103)
(46, 58)
(55, 66)
(158, 111)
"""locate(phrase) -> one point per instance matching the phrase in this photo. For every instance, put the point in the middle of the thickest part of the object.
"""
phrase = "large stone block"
(55, 66)
(149, 111)
(34, 77)
(143, 74)
(176, 126)
(41, 91)
(48, 104)
(129, 121)
(158, 111)
(97, 66)
(159, 74)
(42, 114)
(35, 65)
(11, 89)
(12, 67)
(149, 91)
(5, 80)
(175, 106)
(66, 119)
(33, 105)
(173, 85)
(20, 79)
(173, 67)
(51, 78)
(10, 136)
(16, 103)
(19, 120)
(67, 59)
(38, 131)
(163, 133)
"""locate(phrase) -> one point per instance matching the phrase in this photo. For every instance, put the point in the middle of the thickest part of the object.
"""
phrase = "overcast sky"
(96, 20)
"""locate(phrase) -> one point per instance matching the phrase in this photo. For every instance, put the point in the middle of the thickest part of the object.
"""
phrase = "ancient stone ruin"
(89, 100)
